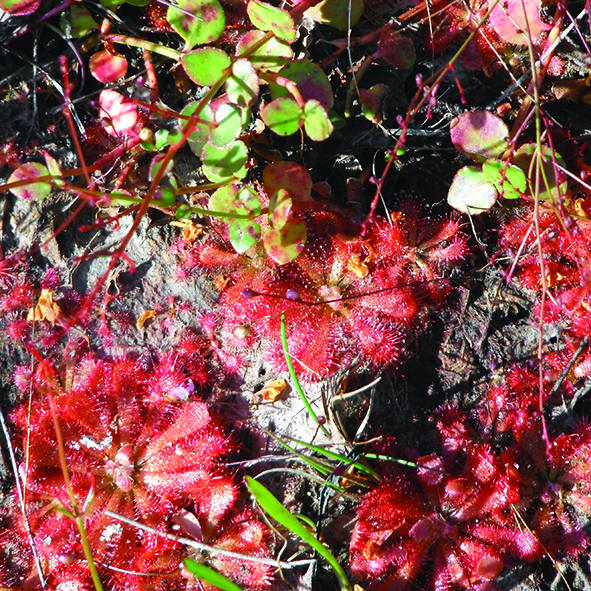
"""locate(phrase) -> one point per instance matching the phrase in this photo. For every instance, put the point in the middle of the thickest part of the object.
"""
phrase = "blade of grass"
(282, 515)
(210, 576)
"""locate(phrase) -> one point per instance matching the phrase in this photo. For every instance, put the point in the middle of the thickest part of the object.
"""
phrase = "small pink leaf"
(396, 49)
(20, 7)
(286, 244)
(479, 134)
(290, 176)
(30, 171)
(280, 209)
(108, 67)
(119, 115)
(509, 18)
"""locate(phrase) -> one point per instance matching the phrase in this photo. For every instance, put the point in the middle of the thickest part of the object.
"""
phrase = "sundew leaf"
(285, 244)
(244, 234)
(220, 164)
(471, 192)
(317, 123)
(292, 177)
(310, 80)
(267, 17)
(270, 57)
(509, 180)
(283, 516)
(206, 65)
(479, 134)
(336, 13)
(228, 125)
(283, 116)
(205, 26)
(280, 206)
(243, 86)
(210, 576)
(29, 172)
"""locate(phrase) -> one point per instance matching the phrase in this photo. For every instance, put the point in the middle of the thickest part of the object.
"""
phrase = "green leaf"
(336, 13)
(270, 57)
(540, 171)
(220, 164)
(206, 65)
(280, 206)
(244, 234)
(509, 180)
(317, 124)
(210, 576)
(228, 119)
(30, 171)
(234, 198)
(20, 7)
(81, 19)
(282, 515)
(183, 212)
(201, 132)
(471, 192)
(205, 26)
(285, 244)
(243, 86)
(269, 18)
(283, 116)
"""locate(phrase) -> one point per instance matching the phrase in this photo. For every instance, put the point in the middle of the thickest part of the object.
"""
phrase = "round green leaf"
(270, 57)
(201, 132)
(509, 180)
(243, 86)
(267, 17)
(285, 244)
(249, 201)
(81, 19)
(234, 198)
(228, 119)
(479, 134)
(540, 171)
(471, 192)
(280, 206)
(30, 171)
(336, 13)
(206, 65)
(283, 116)
(317, 124)
(244, 234)
(205, 26)
(220, 164)
(396, 49)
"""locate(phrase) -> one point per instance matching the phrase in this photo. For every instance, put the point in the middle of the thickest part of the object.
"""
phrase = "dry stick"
(205, 547)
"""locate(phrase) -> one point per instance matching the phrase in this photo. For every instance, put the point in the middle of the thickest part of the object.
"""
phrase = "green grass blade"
(210, 576)
(282, 515)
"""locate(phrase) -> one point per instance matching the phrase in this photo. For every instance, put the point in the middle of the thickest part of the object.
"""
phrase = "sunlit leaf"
(220, 164)
(119, 114)
(509, 180)
(471, 192)
(511, 20)
(81, 20)
(107, 67)
(270, 57)
(20, 7)
(29, 172)
(280, 206)
(205, 26)
(283, 516)
(267, 17)
(292, 177)
(285, 244)
(310, 80)
(244, 234)
(205, 65)
(210, 576)
(479, 134)
(283, 116)
(243, 86)
(235, 198)
(340, 14)
(317, 124)
(228, 125)
(540, 172)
